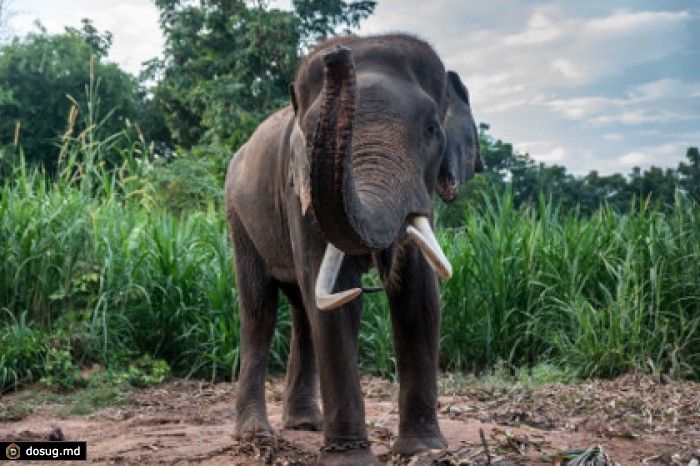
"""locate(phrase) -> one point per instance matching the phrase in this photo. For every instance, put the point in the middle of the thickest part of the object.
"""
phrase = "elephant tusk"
(327, 275)
(422, 234)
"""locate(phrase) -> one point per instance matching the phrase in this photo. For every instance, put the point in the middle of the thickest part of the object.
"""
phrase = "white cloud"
(634, 159)
(543, 151)
(661, 155)
(579, 108)
(134, 24)
(665, 88)
(657, 102)
(137, 35)
(540, 29)
(640, 117)
(613, 137)
(631, 22)
(556, 51)
(568, 70)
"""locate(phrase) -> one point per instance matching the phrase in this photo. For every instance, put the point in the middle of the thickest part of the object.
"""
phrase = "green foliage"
(690, 173)
(98, 42)
(97, 395)
(597, 295)
(544, 373)
(228, 63)
(142, 372)
(60, 371)
(113, 282)
(528, 180)
(376, 344)
(471, 196)
(189, 182)
(226, 66)
(127, 281)
(21, 351)
(42, 76)
(321, 18)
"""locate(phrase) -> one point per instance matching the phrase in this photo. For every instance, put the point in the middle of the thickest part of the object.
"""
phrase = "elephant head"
(374, 131)
(462, 158)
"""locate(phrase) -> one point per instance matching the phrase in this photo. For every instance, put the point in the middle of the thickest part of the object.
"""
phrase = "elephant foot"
(253, 427)
(330, 456)
(409, 446)
(307, 419)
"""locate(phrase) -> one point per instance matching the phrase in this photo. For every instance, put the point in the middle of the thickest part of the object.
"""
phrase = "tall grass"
(137, 281)
(92, 266)
(113, 280)
(92, 270)
(599, 295)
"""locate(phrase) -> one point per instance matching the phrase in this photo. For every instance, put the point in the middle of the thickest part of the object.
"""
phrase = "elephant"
(341, 181)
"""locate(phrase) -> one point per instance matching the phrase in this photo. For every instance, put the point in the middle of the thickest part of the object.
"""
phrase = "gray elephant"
(341, 181)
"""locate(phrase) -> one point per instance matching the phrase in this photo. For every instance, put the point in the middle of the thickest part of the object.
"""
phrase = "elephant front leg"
(335, 335)
(414, 300)
(343, 406)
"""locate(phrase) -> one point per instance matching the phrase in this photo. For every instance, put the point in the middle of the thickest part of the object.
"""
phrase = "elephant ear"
(293, 97)
(299, 168)
(457, 86)
(462, 157)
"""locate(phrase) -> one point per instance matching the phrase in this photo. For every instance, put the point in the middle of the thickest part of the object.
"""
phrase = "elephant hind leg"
(257, 309)
(301, 410)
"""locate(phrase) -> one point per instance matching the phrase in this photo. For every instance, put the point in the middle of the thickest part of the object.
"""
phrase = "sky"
(592, 85)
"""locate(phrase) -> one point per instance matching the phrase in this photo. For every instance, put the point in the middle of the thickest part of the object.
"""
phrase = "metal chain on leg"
(341, 447)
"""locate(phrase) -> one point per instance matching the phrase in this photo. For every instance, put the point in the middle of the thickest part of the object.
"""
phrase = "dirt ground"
(635, 419)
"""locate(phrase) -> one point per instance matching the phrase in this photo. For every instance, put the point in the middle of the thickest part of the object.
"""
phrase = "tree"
(44, 75)
(225, 66)
(690, 173)
(98, 42)
(497, 156)
(531, 180)
(597, 191)
(228, 63)
(321, 18)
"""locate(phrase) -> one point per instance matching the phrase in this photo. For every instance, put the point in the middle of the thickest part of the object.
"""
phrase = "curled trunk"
(357, 223)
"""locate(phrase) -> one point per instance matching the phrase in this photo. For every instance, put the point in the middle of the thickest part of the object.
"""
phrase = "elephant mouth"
(447, 188)
(419, 232)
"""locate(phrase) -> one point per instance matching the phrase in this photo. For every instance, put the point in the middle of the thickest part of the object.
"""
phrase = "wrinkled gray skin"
(373, 124)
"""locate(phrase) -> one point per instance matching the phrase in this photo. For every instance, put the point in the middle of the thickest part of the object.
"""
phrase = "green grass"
(96, 278)
(599, 295)
(96, 269)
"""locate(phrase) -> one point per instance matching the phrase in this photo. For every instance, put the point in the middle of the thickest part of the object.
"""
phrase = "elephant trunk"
(357, 223)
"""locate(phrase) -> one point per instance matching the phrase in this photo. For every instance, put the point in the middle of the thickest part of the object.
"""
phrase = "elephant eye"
(431, 129)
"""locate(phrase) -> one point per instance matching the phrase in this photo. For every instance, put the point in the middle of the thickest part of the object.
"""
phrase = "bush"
(99, 268)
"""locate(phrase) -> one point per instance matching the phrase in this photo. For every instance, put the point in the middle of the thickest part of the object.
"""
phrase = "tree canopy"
(506, 168)
(228, 63)
(42, 76)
